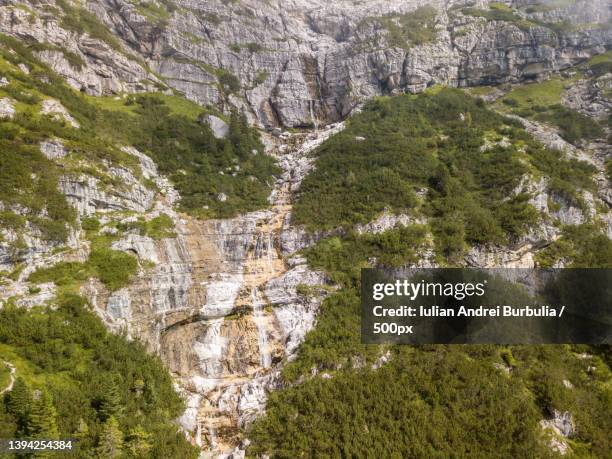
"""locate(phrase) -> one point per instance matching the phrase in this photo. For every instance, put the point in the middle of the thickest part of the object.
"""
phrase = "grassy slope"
(542, 102)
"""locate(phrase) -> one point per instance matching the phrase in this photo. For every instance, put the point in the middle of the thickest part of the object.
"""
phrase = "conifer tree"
(110, 444)
(110, 402)
(43, 422)
(138, 443)
(84, 440)
(43, 419)
(19, 404)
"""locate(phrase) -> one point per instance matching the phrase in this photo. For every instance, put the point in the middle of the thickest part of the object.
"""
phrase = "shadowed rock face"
(308, 62)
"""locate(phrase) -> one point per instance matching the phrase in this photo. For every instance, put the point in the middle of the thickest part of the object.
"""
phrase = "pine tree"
(111, 440)
(43, 419)
(19, 404)
(43, 422)
(138, 443)
(109, 402)
(235, 129)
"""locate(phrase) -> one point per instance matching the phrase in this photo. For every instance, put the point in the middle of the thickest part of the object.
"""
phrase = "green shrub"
(90, 224)
(601, 68)
(63, 273)
(159, 227)
(573, 125)
(113, 268)
(422, 404)
(344, 257)
(228, 80)
(405, 30)
(580, 246)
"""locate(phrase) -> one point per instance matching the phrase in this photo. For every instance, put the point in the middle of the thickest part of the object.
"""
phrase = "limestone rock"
(561, 426)
(53, 149)
(307, 62)
(87, 195)
(218, 126)
(7, 108)
(58, 112)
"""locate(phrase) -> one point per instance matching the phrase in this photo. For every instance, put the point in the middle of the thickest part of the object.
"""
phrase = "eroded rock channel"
(219, 303)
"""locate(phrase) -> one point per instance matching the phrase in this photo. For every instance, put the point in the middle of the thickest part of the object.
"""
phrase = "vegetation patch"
(549, 5)
(157, 13)
(542, 102)
(250, 47)
(164, 127)
(500, 12)
(159, 227)
(344, 257)
(445, 146)
(432, 146)
(80, 20)
(112, 267)
(573, 126)
(600, 64)
(25, 169)
(75, 61)
(429, 401)
(580, 246)
(96, 387)
(228, 81)
(410, 29)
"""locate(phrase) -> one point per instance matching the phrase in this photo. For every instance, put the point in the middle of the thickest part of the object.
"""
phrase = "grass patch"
(410, 29)
(536, 94)
(542, 102)
(573, 126)
(157, 228)
(499, 12)
(600, 64)
(113, 268)
(228, 81)
(344, 257)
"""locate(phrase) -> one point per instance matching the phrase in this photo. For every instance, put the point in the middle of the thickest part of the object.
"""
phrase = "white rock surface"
(53, 149)
(58, 112)
(7, 108)
(219, 127)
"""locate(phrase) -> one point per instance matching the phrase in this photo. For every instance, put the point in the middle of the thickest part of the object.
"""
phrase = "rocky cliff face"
(220, 303)
(305, 62)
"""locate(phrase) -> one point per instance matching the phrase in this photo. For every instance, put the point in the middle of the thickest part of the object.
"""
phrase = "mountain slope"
(135, 193)
(306, 62)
